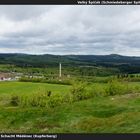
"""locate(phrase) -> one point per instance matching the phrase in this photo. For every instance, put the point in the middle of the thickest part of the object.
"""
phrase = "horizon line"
(71, 54)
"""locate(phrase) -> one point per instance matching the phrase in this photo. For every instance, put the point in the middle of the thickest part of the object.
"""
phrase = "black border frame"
(68, 2)
(74, 136)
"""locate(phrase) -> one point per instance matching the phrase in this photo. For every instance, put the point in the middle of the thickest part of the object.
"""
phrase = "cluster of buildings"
(7, 77)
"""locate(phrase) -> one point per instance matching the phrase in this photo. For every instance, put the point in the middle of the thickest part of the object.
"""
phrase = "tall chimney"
(60, 70)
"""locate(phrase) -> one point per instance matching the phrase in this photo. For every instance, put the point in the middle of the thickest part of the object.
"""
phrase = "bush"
(37, 99)
(68, 98)
(44, 80)
(78, 91)
(14, 100)
(55, 100)
(115, 87)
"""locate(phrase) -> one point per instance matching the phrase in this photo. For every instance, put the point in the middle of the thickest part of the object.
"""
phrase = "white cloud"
(70, 29)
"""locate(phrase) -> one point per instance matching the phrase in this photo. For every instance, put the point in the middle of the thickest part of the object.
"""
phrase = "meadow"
(111, 107)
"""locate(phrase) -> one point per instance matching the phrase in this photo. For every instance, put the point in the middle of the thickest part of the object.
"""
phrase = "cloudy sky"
(70, 29)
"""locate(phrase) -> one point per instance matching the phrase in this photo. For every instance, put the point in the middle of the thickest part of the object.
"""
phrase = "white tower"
(60, 70)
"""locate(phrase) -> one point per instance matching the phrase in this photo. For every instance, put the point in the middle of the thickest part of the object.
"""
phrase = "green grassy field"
(28, 87)
(97, 115)
(109, 114)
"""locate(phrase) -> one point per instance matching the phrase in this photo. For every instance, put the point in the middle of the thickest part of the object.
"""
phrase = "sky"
(70, 29)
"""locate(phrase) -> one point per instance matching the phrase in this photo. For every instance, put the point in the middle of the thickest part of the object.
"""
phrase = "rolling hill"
(126, 64)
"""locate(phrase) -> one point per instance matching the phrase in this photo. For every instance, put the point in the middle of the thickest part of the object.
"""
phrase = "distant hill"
(124, 63)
